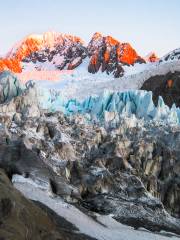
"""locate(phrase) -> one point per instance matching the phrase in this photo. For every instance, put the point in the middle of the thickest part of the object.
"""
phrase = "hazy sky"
(149, 25)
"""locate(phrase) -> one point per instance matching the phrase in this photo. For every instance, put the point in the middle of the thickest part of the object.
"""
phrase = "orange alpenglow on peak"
(152, 57)
(102, 50)
(110, 40)
(97, 35)
(18, 53)
(14, 58)
(10, 64)
(106, 56)
(127, 54)
(33, 43)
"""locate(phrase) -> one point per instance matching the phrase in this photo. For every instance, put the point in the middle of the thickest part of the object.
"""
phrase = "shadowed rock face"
(23, 219)
(167, 86)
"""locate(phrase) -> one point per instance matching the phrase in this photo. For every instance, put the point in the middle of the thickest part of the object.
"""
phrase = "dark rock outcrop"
(167, 86)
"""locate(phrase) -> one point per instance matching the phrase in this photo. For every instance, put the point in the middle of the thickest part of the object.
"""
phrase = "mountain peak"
(96, 35)
(151, 57)
(108, 54)
(35, 42)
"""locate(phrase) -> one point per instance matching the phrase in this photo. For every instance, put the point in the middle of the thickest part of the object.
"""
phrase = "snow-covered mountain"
(108, 54)
(172, 56)
(151, 57)
(103, 54)
(55, 51)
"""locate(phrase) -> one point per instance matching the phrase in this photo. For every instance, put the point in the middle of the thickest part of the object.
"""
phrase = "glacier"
(10, 86)
(108, 106)
(111, 106)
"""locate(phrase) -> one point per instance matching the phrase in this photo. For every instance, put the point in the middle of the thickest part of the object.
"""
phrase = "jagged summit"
(57, 51)
(34, 42)
(63, 51)
(151, 57)
(37, 44)
(124, 52)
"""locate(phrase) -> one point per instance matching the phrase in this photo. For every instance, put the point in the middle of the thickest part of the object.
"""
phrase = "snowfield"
(80, 84)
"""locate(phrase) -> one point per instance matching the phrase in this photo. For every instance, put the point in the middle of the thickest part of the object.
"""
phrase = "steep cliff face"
(13, 59)
(125, 53)
(58, 50)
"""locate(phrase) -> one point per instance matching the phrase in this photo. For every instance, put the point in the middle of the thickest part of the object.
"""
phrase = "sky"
(148, 25)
